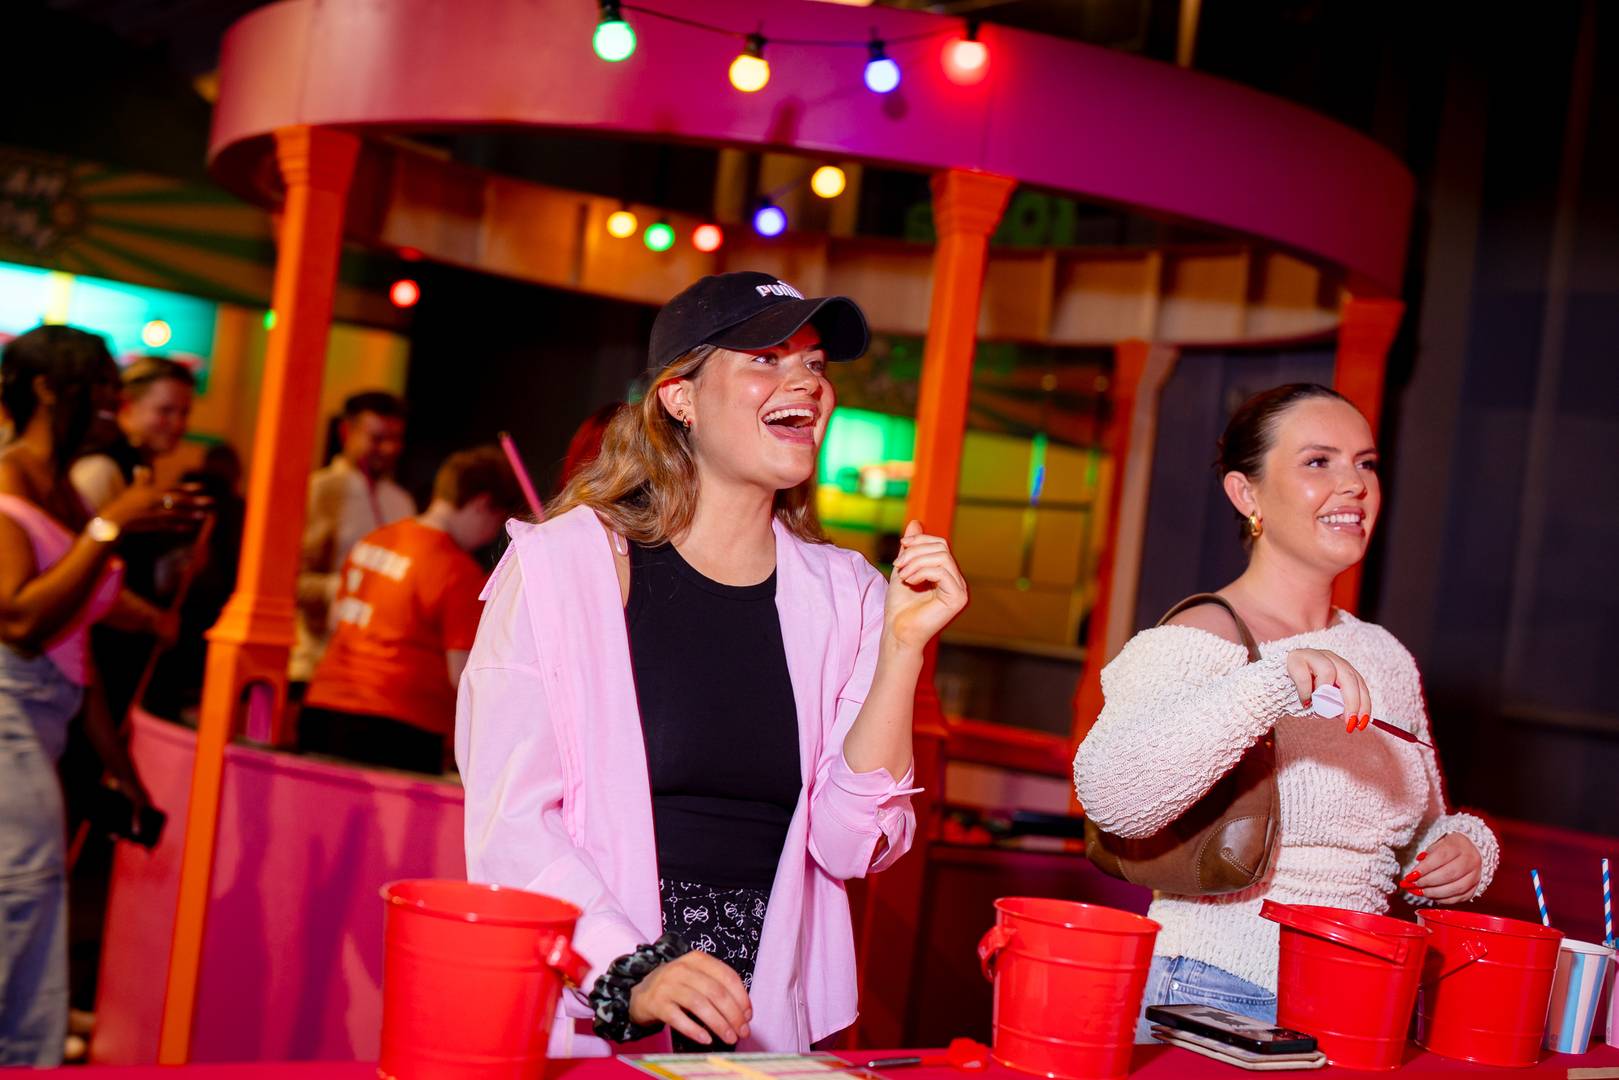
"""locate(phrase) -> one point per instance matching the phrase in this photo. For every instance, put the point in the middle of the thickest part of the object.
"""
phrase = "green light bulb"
(659, 237)
(614, 40)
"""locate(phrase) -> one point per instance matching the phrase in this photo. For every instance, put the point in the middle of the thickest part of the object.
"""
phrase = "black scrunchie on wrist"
(610, 998)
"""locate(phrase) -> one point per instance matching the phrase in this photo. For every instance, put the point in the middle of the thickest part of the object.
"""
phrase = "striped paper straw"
(1540, 898)
(1607, 907)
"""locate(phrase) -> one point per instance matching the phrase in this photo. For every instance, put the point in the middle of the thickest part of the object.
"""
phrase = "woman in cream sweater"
(1362, 814)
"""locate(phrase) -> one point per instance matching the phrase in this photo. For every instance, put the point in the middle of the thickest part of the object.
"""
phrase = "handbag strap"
(1214, 598)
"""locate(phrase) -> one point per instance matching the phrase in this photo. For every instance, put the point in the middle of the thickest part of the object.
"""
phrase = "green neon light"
(114, 310)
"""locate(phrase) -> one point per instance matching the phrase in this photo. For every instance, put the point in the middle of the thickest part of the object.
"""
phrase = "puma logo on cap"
(780, 288)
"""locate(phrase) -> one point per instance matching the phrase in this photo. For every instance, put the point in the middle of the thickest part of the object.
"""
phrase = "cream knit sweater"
(1181, 707)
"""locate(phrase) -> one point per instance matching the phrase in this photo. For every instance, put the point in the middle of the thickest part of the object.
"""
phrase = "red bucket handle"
(1394, 951)
(1476, 950)
(990, 945)
(558, 955)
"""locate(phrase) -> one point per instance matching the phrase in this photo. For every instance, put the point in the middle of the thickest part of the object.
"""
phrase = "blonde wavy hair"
(643, 484)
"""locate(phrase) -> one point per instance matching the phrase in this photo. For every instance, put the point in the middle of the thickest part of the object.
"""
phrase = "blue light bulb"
(882, 75)
(769, 220)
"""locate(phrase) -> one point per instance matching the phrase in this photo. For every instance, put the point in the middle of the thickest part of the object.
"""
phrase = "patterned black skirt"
(725, 923)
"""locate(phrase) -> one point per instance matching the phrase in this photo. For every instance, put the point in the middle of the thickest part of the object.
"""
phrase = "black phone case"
(1232, 1028)
(114, 814)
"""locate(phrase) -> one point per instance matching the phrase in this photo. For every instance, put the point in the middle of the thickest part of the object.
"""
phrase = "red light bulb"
(707, 238)
(405, 293)
(966, 61)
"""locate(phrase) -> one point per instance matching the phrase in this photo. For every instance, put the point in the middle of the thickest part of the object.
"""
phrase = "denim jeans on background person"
(36, 703)
(1180, 980)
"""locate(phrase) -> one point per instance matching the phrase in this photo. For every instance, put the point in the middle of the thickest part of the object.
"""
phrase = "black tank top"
(719, 719)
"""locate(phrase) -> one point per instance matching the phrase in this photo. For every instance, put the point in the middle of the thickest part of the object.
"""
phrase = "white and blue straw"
(1607, 906)
(1540, 898)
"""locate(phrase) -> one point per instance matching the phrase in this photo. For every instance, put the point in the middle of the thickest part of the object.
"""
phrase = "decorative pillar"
(1366, 330)
(1140, 370)
(249, 646)
(967, 206)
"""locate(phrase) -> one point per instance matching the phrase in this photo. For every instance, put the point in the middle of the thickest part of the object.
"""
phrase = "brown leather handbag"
(1226, 841)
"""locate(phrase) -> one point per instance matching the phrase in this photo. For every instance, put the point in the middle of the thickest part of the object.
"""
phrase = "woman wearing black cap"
(689, 714)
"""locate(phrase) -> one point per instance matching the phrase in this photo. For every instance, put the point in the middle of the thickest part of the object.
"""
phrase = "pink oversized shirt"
(548, 739)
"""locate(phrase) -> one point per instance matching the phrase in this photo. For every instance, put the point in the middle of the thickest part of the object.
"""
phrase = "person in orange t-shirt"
(406, 614)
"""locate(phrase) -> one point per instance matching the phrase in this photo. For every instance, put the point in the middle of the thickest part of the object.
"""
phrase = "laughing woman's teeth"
(1341, 519)
(788, 414)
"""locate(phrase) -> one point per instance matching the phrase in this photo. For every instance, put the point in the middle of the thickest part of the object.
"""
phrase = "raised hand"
(925, 591)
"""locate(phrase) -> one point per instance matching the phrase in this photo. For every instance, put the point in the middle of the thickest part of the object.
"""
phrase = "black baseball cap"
(749, 310)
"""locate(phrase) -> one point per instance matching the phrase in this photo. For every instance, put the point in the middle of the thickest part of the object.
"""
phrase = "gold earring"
(687, 421)
(1255, 527)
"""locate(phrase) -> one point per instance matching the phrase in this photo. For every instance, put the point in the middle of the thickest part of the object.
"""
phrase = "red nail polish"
(1349, 726)
(1421, 855)
(1414, 891)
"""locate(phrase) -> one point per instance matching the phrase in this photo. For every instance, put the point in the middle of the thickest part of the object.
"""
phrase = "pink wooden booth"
(292, 964)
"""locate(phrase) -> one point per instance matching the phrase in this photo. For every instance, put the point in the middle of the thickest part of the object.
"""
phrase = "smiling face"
(373, 442)
(1318, 494)
(156, 419)
(757, 418)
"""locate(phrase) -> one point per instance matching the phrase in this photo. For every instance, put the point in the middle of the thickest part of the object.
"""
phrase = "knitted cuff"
(1266, 693)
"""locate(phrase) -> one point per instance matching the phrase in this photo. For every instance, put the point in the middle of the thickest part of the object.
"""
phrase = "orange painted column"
(1140, 369)
(967, 206)
(249, 646)
(1366, 330)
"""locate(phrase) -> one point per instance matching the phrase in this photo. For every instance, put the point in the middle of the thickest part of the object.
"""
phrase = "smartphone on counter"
(1232, 1028)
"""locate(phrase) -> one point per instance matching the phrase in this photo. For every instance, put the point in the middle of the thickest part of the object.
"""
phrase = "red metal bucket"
(470, 979)
(1068, 983)
(1486, 987)
(1348, 978)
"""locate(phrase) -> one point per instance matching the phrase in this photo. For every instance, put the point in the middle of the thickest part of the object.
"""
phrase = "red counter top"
(1151, 1063)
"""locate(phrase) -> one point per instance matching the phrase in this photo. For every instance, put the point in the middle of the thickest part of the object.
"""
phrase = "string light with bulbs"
(965, 59)
(769, 219)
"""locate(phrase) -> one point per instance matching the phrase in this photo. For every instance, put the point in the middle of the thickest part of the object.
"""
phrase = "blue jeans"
(36, 703)
(1180, 980)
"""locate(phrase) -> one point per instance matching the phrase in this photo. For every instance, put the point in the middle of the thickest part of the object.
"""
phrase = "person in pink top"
(685, 711)
(57, 575)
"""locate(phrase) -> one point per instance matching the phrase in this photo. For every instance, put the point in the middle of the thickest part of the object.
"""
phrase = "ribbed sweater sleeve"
(1182, 705)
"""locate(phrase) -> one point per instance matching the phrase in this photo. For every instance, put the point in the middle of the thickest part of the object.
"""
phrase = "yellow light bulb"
(828, 181)
(621, 224)
(750, 73)
(156, 334)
